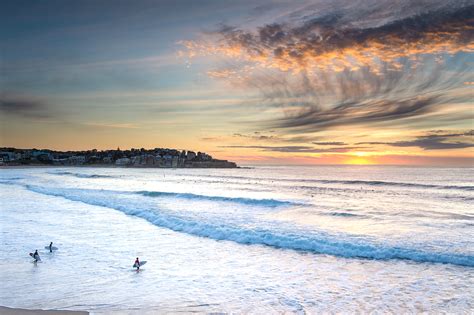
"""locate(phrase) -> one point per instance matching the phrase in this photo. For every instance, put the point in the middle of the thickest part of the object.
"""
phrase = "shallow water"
(265, 239)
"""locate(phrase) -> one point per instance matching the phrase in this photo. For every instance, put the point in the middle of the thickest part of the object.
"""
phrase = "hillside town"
(158, 157)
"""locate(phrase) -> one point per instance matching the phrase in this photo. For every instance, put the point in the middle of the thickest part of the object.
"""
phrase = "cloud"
(435, 141)
(257, 136)
(112, 125)
(330, 143)
(212, 139)
(433, 144)
(315, 118)
(348, 63)
(336, 41)
(296, 149)
(22, 106)
(265, 137)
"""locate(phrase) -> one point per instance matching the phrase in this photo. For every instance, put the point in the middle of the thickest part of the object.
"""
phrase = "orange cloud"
(320, 47)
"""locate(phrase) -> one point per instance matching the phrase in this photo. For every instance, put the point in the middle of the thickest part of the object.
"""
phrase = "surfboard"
(38, 258)
(52, 248)
(141, 264)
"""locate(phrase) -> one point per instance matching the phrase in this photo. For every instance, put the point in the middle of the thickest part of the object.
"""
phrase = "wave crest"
(81, 175)
(246, 201)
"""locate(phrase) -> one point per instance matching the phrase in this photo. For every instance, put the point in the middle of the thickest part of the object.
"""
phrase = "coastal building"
(8, 156)
(46, 155)
(77, 160)
(60, 161)
(174, 161)
(123, 161)
(190, 155)
(149, 160)
(201, 156)
(158, 161)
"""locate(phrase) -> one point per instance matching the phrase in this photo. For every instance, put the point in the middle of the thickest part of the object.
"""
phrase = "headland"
(157, 158)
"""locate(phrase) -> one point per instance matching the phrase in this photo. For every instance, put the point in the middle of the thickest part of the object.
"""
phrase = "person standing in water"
(51, 247)
(36, 256)
(137, 264)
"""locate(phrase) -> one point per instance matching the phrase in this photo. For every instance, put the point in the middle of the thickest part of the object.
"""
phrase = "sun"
(359, 158)
(360, 154)
(358, 161)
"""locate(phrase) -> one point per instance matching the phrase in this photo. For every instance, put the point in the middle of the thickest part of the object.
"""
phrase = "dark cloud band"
(436, 141)
(24, 107)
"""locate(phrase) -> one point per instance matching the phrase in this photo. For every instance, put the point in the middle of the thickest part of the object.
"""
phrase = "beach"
(255, 240)
(19, 311)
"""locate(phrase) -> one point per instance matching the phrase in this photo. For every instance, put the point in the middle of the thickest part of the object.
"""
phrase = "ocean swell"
(349, 182)
(315, 242)
(395, 184)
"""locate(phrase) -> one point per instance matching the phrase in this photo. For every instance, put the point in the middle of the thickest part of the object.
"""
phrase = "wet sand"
(18, 311)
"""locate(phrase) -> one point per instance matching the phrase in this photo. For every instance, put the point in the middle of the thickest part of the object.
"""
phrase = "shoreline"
(21, 311)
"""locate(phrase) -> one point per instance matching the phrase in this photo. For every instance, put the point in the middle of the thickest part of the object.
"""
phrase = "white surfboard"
(141, 264)
(38, 258)
(52, 248)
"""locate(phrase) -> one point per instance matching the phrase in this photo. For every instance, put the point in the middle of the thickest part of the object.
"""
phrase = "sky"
(256, 82)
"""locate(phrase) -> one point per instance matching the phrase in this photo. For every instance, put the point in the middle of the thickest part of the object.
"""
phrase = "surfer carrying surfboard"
(51, 247)
(137, 264)
(36, 256)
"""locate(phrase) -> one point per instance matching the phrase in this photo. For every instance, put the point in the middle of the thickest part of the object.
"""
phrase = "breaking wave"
(246, 201)
(251, 234)
(81, 175)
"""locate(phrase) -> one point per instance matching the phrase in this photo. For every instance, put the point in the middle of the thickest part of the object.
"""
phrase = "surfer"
(137, 264)
(51, 247)
(36, 256)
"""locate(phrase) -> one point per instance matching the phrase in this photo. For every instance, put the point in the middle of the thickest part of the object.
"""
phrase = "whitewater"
(264, 239)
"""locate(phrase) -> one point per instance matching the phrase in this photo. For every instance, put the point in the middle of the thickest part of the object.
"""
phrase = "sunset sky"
(268, 82)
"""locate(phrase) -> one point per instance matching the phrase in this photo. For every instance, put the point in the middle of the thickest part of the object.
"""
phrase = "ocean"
(263, 240)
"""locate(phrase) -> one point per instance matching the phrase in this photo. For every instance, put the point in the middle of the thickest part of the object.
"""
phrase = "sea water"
(258, 240)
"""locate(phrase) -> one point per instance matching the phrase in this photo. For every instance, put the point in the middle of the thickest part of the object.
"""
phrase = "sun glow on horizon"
(359, 160)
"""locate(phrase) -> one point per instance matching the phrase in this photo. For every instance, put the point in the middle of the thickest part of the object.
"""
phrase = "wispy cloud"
(435, 141)
(297, 149)
(270, 137)
(350, 63)
(313, 118)
(112, 125)
(330, 143)
(211, 139)
(257, 136)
